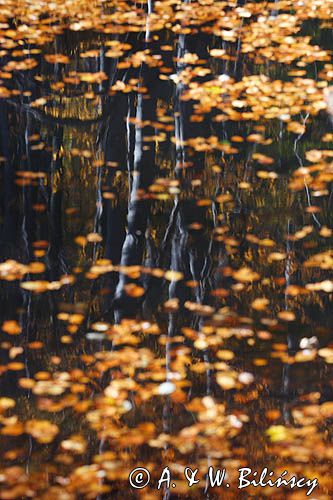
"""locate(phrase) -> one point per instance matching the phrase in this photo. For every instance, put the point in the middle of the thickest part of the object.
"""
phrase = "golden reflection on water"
(161, 302)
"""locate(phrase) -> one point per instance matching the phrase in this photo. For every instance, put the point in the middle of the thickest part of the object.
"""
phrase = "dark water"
(115, 165)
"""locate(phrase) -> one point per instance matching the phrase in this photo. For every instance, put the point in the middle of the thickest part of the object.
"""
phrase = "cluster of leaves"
(173, 262)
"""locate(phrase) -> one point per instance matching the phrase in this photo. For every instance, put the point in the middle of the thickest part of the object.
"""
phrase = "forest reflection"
(122, 171)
